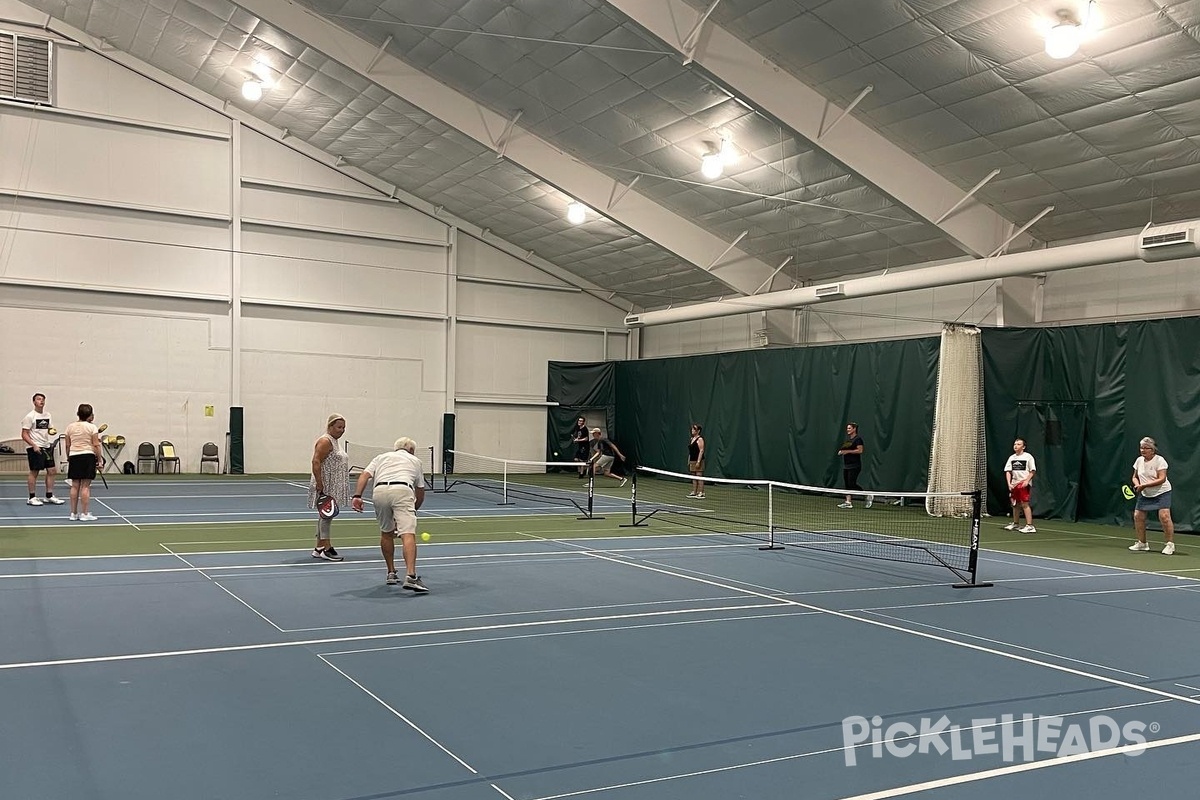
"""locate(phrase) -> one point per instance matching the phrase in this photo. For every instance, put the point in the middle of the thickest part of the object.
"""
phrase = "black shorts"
(40, 458)
(81, 467)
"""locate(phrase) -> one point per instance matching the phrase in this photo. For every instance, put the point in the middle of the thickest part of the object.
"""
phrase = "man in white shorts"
(35, 430)
(399, 491)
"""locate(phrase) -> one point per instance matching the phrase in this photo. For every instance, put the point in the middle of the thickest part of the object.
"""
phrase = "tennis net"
(552, 482)
(787, 515)
(360, 456)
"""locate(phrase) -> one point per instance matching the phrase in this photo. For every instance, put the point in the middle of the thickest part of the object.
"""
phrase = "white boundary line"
(218, 584)
(113, 510)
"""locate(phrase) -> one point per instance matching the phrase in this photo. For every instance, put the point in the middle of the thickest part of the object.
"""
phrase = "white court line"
(218, 584)
(920, 634)
(113, 510)
(1014, 769)
(400, 716)
(826, 751)
(241, 648)
(1059, 656)
(779, 613)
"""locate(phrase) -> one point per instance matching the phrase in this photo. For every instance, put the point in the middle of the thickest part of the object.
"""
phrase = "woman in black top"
(696, 461)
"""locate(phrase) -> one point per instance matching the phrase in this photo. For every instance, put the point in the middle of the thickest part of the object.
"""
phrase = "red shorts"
(1019, 494)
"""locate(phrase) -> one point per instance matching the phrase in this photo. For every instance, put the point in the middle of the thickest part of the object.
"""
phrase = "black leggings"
(850, 476)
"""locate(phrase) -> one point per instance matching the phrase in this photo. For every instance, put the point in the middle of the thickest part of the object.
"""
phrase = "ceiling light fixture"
(252, 90)
(1062, 41)
(712, 166)
(576, 213)
(729, 153)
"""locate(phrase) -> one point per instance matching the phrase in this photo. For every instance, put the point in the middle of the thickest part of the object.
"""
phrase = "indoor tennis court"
(805, 393)
(657, 664)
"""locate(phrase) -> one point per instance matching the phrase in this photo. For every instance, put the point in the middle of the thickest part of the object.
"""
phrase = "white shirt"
(38, 426)
(1148, 471)
(1021, 466)
(397, 465)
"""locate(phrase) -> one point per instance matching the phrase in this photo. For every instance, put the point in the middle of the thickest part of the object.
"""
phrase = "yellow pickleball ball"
(425, 537)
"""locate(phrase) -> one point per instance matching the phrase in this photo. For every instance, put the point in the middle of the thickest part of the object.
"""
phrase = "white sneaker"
(34, 501)
(870, 500)
(1028, 529)
(89, 517)
(897, 502)
(58, 501)
(73, 517)
(1138, 547)
(693, 494)
(1012, 526)
(845, 505)
(700, 496)
(1168, 549)
(623, 482)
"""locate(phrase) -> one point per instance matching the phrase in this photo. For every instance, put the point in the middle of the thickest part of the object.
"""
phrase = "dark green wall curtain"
(781, 413)
(1093, 391)
(577, 388)
(1080, 396)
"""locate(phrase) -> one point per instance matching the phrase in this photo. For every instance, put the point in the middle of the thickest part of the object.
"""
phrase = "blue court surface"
(609, 667)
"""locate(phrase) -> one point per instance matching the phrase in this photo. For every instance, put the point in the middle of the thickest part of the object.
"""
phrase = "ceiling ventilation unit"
(1163, 242)
(832, 290)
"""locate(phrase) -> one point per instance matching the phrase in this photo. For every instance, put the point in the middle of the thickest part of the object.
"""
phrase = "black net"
(567, 484)
(893, 527)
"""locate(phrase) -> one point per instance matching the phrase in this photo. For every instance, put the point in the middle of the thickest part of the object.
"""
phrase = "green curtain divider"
(1080, 396)
(577, 388)
(1131, 379)
(781, 413)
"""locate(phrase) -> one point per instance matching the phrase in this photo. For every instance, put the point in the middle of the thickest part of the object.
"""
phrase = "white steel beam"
(693, 244)
(973, 227)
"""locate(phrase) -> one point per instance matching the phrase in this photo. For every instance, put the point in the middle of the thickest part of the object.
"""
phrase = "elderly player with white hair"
(399, 491)
(1153, 492)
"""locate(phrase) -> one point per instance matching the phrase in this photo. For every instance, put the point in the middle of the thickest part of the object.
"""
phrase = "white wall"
(120, 285)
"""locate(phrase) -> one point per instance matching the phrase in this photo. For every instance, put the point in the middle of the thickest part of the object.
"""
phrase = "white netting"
(957, 457)
(360, 456)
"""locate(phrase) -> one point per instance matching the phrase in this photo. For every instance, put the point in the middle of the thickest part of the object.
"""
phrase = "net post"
(973, 559)
(589, 512)
(633, 518)
(771, 543)
(504, 487)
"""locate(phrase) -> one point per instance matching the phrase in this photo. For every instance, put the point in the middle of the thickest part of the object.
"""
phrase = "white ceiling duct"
(1158, 243)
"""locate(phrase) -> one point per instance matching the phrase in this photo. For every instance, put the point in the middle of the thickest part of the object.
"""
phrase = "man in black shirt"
(604, 452)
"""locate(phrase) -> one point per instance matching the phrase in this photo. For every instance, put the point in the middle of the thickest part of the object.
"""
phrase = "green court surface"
(27, 537)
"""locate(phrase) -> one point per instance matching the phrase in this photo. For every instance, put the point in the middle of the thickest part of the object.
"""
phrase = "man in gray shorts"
(604, 453)
(399, 491)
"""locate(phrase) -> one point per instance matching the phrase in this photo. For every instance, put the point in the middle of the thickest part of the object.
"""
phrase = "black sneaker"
(326, 554)
(414, 582)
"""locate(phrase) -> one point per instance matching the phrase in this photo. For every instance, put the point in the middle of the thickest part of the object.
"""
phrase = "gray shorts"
(604, 464)
(395, 509)
(1156, 503)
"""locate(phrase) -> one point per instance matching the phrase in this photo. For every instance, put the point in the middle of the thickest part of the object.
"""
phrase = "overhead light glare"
(252, 90)
(1062, 41)
(262, 72)
(712, 166)
(576, 213)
